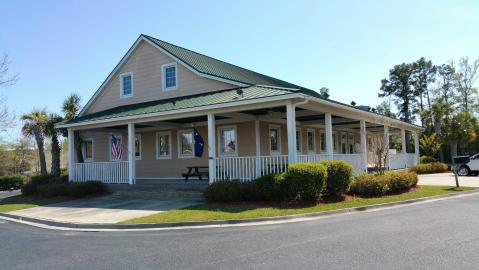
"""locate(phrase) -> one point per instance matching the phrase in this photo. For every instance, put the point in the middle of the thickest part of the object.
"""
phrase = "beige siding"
(145, 64)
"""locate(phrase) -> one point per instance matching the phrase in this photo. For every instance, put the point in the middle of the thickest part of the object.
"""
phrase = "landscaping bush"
(375, 185)
(305, 181)
(226, 191)
(435, 167)
(340, 174)
(13, 181)
(400, 181)
(30, 188)
(82, 189)
(369, 185)
(267, 188)
(426, 159)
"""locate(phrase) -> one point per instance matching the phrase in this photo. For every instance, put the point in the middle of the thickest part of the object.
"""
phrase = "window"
(274, 139)
(323, 141)
(351, 143)
(335, 142)
(186, 144)
(116, 147)
(298, 140)
(228, 141)
(344, 143)
(138, 146)
(170, 77)
(163, 145)
(87, 150)
(311, 140)
(126, 85)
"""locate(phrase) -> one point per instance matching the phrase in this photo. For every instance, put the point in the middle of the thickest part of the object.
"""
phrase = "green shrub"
(305, 181)
(226, 191)
(13, 181)
(426, 159)
(267, 188)
(435, 167)
(400, 181)
(29, 189)
(340, 174)
(82, 189)
(369, 185)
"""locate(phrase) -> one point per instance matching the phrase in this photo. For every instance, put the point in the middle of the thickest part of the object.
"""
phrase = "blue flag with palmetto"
(199, 143)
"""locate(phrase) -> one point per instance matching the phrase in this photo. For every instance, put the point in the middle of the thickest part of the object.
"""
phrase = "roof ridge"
(216, 59)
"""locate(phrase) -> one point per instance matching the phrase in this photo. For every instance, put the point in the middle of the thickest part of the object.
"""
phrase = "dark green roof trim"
(186, 102)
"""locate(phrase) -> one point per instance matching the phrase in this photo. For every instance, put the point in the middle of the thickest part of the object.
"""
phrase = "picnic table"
(195, 171)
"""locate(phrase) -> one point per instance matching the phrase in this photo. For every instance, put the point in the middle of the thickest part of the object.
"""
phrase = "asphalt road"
(438, 235)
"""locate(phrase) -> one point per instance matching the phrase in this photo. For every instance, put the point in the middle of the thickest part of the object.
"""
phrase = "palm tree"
(52, 132)
(70, 108)
(34, 126)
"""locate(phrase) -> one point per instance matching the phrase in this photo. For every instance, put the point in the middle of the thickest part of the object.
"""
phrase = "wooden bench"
(195, 171)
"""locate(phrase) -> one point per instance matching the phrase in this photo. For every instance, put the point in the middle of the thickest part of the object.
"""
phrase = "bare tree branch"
(6, 80)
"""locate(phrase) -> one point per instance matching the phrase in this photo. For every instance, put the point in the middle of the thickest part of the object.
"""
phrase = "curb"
(192, 224)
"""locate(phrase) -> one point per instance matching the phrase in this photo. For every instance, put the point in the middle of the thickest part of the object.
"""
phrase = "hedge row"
(434, 167)
(303, 181)
(11, 182)
(51, 186)
(374, 185)
(426, 159)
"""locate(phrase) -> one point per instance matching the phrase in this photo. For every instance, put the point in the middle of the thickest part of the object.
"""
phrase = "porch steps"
(156, 188)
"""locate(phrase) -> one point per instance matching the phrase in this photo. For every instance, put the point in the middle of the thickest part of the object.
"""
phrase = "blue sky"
(59, 47)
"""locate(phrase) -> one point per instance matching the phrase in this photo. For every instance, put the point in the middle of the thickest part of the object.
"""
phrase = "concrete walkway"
(6, 194)
(447, 179)
(106, 209)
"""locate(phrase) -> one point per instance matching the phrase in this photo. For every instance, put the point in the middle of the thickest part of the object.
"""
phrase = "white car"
(469, 165)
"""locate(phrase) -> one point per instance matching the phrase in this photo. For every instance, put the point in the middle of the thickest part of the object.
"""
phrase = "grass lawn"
(22, 202)
(222, 211)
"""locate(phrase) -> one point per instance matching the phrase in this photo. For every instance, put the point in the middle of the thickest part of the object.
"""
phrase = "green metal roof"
(186, 102)
(214, 67)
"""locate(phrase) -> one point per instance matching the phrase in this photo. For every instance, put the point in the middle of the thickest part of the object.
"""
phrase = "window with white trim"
(126, 85)
(170, 77)
(87, 150)
(322, 141)
(163, 145)
(186, 144)
(344, 143)
(228, 141)
(138, 146)
(335, 142)
(275, 140)
(298, 140)
(351, 143)
(311, 140)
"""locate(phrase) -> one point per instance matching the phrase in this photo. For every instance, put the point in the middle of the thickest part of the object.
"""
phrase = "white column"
(291, 126)
(211, 148)
(364, 147)
(386, 145)
(131, 154)
(329, 135)
(71, 154)
(416, 148)
(258, 147)
(403, 147)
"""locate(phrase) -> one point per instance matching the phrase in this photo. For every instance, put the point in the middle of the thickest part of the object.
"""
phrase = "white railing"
(248, 168)
(354, 159)
(410, 159)
(106, 172)
(311, 158)
(396, 161)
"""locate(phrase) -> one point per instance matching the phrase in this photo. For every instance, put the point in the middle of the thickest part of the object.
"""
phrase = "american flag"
(115, 147)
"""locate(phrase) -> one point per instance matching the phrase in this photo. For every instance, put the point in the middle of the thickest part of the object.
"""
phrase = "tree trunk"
(41, 151)
(56, 151)
(453, 149)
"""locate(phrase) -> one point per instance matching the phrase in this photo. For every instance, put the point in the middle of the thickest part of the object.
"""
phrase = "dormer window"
(170, 77)
(126, 85)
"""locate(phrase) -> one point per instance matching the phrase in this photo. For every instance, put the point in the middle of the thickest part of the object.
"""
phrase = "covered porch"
(241, 141)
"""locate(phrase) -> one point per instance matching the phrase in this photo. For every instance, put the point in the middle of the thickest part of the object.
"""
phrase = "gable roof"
(213, 67)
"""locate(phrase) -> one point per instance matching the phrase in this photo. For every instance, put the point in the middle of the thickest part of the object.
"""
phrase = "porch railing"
(311, 158)
(354, 159)
(399, 161)
(247, 168)
(106, 172)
